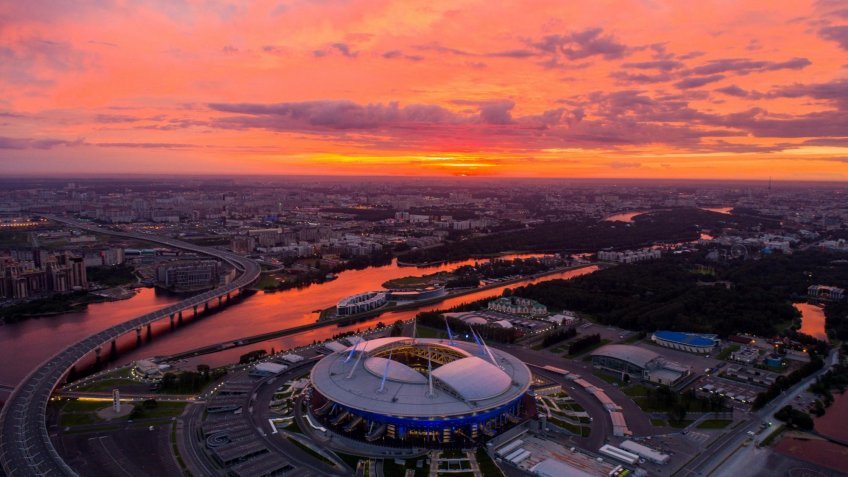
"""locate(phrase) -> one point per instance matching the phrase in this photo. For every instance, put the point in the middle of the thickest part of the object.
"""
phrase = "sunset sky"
(641, 89)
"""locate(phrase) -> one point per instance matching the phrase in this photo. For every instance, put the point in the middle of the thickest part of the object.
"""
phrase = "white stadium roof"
(397, 371)
(466, 383)
(473, 379)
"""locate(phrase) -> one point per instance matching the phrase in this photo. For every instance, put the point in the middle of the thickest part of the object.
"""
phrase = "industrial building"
(689, 342)
(644, 452)
(638, 362)
(825, 293)
(420, 392)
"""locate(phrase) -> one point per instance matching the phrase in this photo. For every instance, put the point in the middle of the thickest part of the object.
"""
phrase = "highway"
(26, 448)
(716, 454)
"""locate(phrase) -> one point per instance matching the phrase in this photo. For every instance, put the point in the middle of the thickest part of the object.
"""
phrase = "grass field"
(771, 437)
(714, 424)
(725, 353)
(106, 384)
(635, 390)
(607, 377)
(427, 332)
(80, 412)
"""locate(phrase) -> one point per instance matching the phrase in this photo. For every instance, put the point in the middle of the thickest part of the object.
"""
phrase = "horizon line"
(176, 176)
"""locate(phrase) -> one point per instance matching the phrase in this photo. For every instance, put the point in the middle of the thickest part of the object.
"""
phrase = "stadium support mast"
(450, 335)
(414, 329)
(477, 340)
(429, 374)
(352, 350)
(385, 373)
(489, 352)
(353, 368)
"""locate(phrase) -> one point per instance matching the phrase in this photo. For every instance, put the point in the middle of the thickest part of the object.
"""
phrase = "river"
(628, 217)
(320, 334)
(812, 320)
(26, 344)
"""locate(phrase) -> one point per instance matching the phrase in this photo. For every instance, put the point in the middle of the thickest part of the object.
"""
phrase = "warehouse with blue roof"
(690, 342)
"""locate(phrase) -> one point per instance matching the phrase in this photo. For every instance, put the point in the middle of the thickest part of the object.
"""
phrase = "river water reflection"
(812, 320)
(26, 344)
(320, 334)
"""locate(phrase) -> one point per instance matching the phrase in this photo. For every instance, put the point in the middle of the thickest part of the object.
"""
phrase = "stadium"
(689, 342)
(404, 391)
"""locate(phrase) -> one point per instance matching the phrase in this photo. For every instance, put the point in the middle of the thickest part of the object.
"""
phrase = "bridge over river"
(25, 447)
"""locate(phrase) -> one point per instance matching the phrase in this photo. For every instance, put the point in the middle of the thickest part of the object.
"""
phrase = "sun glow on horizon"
(666, 90)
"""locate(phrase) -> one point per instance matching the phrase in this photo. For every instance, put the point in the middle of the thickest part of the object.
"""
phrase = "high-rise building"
(191, 275)
(47, 273)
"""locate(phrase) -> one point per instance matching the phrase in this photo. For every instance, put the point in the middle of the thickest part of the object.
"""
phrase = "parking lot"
(738, 395)
(697, 362)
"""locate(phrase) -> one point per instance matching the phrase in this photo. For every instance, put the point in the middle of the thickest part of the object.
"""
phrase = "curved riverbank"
(259, 313)
(281, 339)
(326, 315)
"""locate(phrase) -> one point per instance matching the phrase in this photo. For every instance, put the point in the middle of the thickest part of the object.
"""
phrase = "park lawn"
(163, 409)
(607, 377)
(106, 384)
(635, 390)
(771, 437)
(77, 419)
(79, 406)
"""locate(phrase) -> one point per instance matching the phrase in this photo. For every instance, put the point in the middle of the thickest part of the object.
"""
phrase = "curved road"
(25, 447)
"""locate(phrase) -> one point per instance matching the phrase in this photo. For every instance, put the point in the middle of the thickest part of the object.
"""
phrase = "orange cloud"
(665, 89)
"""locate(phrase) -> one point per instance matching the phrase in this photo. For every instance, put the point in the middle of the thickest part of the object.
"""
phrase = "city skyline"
(615, 90)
